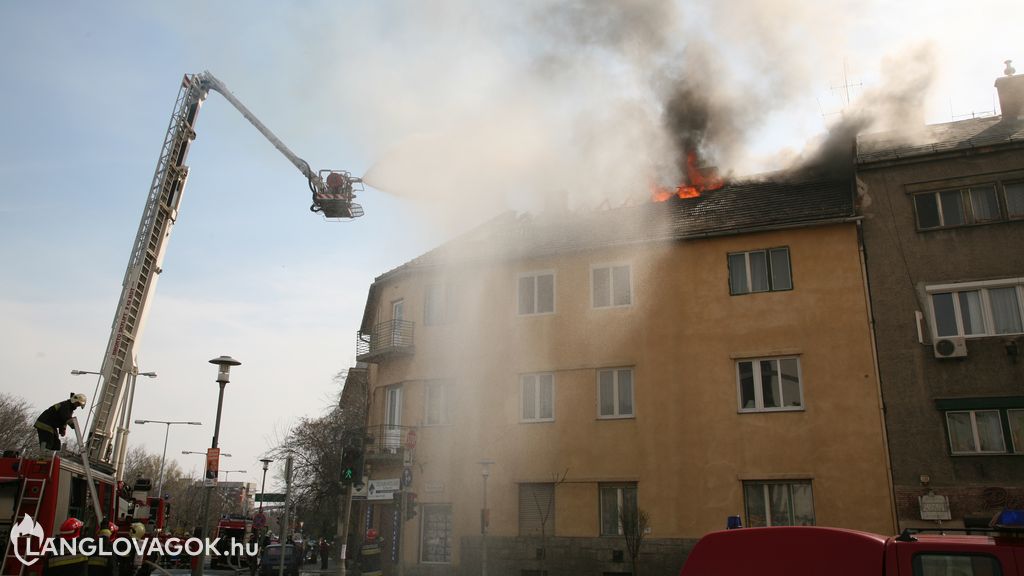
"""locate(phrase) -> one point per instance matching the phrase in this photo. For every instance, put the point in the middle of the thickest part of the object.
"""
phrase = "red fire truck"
(812, 551)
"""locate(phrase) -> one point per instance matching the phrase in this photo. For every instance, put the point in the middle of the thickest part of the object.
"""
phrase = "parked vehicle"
(270, 562)
(812, 551)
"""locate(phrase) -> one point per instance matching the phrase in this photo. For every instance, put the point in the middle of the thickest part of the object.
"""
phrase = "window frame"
(769, 276)
(766, 495)
(1005, 406)
(617, 414)
(535, 275)
(430, 508)
(966, 197)
(759, 388)
(537, 399)
(444, 387)
(918, 568)
(611, 266)
(987, 315)
(620, 498)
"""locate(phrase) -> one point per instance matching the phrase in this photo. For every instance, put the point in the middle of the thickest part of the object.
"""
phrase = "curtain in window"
(970, 312)
(990, 431)
(1015, 199)
(1016, 418)
(1005, 310)
(758, 272)
(620, 285)
(961, 435)
(738, 274)
(606, 382)
(984, 203)
(625, 392)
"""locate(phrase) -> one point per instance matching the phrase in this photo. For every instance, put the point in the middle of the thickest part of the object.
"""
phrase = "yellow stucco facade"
(684, 444)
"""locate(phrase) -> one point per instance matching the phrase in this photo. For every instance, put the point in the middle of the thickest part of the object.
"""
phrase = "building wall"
(901, 262)
(688, 449)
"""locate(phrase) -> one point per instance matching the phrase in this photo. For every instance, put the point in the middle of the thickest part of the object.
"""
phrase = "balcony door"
(393, 419)
(397, 316)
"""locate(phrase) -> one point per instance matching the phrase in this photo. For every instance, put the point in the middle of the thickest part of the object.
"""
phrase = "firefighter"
(53, 422)
(68, 564)
(104, 565)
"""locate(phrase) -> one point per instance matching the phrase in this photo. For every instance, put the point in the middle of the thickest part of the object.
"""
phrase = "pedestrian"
(53, 422)
(325, 548)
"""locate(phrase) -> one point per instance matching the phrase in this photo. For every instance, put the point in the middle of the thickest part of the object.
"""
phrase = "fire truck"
(90, 485)
(813, 550)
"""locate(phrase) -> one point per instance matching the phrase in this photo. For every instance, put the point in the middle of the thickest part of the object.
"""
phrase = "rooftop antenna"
(846, 85)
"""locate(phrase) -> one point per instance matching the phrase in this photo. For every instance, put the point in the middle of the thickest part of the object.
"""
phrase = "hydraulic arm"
(332, 191)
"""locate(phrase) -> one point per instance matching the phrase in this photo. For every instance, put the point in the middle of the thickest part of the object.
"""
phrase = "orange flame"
(698, 182)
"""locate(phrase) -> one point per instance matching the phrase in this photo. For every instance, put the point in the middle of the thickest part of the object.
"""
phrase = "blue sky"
(461, 108)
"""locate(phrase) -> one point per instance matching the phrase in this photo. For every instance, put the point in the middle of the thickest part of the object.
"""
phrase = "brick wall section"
(964, 500)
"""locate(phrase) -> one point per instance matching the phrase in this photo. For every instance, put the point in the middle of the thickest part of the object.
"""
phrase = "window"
(978, 309)
(760, 271)
(611, 286)
(439, 304)
(436, 544)
(788, 503)
(955, 564)
(1016, 418)
(437, 403)
(615, 393)
(537, 293)
(1015, 200)
(979, 204)
(618, 501)
(537, 509)
(538, 394)
(769, 384)
(975, 432)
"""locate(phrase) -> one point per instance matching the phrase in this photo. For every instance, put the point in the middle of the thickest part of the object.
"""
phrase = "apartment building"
(943, 232)
(541, 383)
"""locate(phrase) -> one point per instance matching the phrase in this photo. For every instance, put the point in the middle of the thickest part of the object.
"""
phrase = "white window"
(978, 309)
(537, 293)
(615, 393)
(437, 539)
(437, 403)
(618, 501)
(769, 384)
(611, 286)
(975, 432)
(538, 397)
(788, 503)
(760, 271)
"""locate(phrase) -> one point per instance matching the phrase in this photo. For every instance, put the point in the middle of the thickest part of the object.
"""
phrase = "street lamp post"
(225, 454)
(167, 433)
(263, 487)
(224, 364)
(484, 517)
(226, 472)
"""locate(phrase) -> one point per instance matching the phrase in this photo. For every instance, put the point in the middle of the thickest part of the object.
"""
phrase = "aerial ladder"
(332, 192)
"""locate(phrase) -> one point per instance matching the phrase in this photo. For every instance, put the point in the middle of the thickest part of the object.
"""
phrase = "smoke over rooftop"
(497, 107)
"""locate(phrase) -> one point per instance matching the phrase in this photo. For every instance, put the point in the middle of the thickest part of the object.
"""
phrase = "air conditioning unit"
(951, 347)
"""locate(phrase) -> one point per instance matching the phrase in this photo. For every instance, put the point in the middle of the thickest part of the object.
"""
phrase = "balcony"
(386, 442)
(387, 339)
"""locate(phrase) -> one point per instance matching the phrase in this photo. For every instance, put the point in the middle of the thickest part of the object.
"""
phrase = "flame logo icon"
(26, 528)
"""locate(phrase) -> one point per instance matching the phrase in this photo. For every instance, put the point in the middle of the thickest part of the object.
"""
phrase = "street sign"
(270, 497)
(259, 521)
(382, 489)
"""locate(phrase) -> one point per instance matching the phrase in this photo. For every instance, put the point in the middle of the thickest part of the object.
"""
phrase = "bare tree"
(16, 421)
(634, 528)
(545, 510)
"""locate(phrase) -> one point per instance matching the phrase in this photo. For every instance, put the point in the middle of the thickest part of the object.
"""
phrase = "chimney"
(1011, 93)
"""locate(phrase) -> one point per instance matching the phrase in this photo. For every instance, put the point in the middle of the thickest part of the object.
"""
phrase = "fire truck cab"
(811, 551)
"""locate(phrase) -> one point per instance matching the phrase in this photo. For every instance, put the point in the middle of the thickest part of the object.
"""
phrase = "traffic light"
(352, 465)
(410, 505)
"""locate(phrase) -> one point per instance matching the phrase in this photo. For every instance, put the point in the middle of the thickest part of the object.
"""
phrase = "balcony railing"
(387, 441)
(391, 338)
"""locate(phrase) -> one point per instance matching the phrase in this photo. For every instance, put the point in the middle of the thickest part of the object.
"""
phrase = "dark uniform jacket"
(56, 418)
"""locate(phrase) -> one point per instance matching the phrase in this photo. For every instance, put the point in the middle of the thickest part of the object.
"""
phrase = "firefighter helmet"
(108, 530)
(71, 528)
(138, 530)
(78, 399)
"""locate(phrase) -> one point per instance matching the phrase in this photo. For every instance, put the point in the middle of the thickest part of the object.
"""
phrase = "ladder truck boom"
(332, 192)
